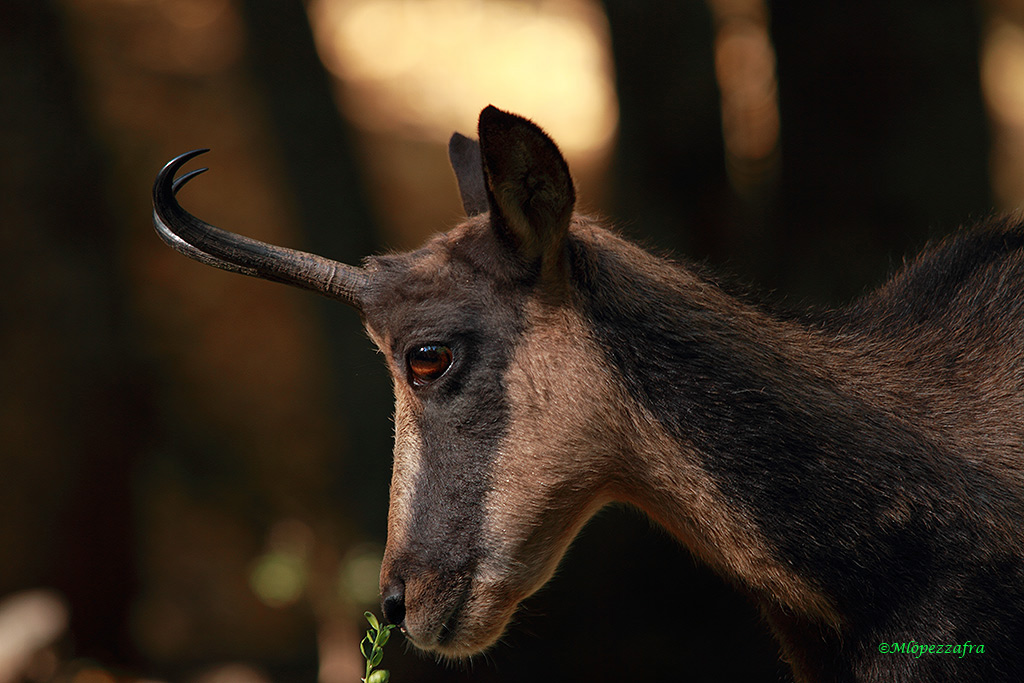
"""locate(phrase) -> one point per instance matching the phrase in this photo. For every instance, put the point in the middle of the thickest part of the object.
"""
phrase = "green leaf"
(362, 648)
(382, 638)
(379, 676)
(373, 620)
(376, 656)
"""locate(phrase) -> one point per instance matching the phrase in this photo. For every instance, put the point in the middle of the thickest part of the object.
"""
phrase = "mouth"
(438, 637)
(442, 632)
(450, 627)
(457, 621)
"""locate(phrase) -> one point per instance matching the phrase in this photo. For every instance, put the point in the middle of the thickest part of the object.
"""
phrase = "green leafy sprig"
(372, 647)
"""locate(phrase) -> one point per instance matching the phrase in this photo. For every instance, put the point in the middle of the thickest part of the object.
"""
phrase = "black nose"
(392, 603)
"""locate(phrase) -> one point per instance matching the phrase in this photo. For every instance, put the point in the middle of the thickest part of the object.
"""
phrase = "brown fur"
(859, 473)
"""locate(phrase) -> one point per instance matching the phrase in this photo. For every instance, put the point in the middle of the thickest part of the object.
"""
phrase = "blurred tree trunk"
(75, 407)
(323, 175)
(884, 137)
(247, 444)
(669, 167)
(670, 191)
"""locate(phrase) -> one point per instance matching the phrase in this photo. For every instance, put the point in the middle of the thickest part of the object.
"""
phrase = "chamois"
(858, 472)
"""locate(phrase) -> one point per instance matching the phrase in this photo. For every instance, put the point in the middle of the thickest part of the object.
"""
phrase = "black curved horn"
(215, 247)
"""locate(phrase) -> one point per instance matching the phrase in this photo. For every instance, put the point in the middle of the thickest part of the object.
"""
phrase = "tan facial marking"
(406, 464)
(577, 441)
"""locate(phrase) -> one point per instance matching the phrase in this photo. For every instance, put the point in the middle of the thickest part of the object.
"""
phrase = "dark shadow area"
(196, 464)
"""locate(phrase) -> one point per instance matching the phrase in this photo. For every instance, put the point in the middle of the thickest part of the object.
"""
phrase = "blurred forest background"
(194, 465)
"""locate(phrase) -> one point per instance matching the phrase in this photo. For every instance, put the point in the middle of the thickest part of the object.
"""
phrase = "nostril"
(393, 603)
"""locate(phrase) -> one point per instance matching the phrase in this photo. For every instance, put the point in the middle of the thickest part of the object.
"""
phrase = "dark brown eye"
(427, 363)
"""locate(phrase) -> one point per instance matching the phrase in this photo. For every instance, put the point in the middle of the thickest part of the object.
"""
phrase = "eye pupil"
(427, 363)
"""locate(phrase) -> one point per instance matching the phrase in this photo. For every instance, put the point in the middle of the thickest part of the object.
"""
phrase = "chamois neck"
(720, 381)
(762, 420)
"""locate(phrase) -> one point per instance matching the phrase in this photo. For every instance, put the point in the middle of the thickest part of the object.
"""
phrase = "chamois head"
(484, 346)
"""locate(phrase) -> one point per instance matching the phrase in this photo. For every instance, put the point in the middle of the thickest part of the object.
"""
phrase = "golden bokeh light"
(745, 70)
(279, 577)
(428, 66)
(358, 574)
(1002, 83)
(1002, 70)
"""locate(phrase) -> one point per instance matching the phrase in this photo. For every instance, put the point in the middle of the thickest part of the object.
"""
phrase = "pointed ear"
(529, 186)
(464, 154)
